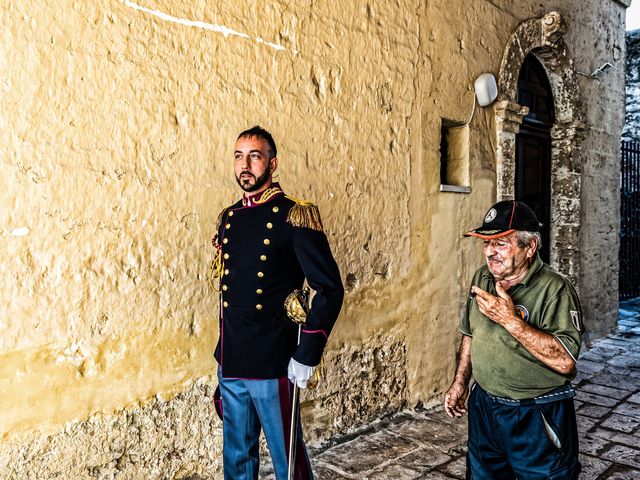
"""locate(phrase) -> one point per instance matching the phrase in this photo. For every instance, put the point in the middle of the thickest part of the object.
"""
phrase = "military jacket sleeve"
(321, 271)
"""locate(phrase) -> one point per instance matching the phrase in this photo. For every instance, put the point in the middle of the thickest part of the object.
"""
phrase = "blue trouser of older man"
(248, 406)
(529, 439)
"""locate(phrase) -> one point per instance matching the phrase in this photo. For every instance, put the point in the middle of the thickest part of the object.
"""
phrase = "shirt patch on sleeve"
(522, 312)
(575, 318)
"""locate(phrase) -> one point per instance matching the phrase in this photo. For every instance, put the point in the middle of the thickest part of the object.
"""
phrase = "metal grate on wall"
(629, 283)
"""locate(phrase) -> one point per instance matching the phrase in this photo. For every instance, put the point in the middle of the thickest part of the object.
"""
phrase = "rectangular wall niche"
(454, 157)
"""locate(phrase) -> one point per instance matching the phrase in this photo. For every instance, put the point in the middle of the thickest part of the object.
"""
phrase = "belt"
(560, 393)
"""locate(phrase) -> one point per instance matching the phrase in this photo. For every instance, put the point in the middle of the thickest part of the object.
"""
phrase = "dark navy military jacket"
(266, 257)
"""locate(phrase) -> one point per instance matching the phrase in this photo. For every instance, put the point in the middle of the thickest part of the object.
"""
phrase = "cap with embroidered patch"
(504, 218)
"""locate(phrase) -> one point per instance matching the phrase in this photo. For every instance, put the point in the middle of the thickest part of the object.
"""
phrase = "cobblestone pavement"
(430, 445)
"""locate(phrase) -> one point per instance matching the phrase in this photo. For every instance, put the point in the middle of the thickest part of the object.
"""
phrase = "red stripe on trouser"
(301, 469)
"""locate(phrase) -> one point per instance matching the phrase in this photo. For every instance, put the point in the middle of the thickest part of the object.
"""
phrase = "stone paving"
(429, 445)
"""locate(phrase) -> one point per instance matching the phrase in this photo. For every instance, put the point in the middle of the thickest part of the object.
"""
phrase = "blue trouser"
(248, 406)
(528, 440)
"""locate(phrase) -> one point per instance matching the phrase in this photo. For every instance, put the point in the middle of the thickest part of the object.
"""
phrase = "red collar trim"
(265, 196)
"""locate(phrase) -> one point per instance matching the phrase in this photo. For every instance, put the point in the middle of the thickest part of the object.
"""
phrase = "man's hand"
(500, 309)
(299, 373)
(454, 400)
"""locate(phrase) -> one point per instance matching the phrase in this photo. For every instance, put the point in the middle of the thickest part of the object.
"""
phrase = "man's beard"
(259, 182)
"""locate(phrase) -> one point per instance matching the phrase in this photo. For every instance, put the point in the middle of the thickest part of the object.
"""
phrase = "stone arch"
(543, 37)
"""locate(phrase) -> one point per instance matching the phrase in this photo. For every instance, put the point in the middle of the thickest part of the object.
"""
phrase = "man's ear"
(532, 248)
(273, 164)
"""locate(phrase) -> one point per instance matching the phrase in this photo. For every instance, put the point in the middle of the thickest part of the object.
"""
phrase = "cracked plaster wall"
(117, 125)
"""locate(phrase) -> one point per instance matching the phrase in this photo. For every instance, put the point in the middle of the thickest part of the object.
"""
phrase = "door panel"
(533, 146)
(533, 179)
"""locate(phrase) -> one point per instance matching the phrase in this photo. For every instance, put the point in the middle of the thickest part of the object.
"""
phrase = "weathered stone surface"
(594, 411)
(624, 455)
(622, 423)
(358, 455)
(596, 399)
(616, 437)
(376, 376)
(592, 467)
(617, 393)
(441, 432)
(434, 475)
(427, 458)
(585, 424)
(162, 439)
(620, 473)
(455, 469)
(321, 471)
(592, 445)
(629, 409)
(635, 398)
(624, 361)
(591, 367)
(616, 381)
(394, 471)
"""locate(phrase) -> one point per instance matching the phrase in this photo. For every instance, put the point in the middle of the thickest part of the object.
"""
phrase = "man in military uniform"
(267, 244)
(521, 338)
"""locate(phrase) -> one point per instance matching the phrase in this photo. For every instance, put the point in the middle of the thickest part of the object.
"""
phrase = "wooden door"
(533, 146)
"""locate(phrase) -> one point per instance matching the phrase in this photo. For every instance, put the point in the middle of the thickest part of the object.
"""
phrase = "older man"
(521, 338)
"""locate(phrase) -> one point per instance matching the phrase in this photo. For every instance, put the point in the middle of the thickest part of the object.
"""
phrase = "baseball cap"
(504, 218)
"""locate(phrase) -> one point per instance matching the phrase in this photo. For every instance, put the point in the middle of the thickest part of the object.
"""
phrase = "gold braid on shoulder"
(217, 264)
(304, 214)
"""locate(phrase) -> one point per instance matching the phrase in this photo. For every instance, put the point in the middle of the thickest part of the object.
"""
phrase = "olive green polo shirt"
(501, 365)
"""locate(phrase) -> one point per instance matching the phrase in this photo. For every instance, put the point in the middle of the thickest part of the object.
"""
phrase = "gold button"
(227, 226)
(259, 307)
(267, 241)
(231, 213)
(259, 291)
(260, 274)
(225, 304)
(226, 271)
(269, 225)
(263, 257)
(226, 240)
(226, 256)
(225, 288)
(275, 209)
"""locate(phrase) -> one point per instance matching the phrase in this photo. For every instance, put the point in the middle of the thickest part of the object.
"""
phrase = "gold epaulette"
(217, 264)
(219, 220)
(305, 215)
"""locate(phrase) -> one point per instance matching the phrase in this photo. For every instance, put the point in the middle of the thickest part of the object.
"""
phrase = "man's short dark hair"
(258, 131)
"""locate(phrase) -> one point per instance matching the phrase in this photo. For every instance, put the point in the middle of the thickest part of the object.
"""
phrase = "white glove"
(299, 373)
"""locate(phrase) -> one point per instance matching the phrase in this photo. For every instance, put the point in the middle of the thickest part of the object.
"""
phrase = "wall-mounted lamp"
(598, 72)
(486, 89)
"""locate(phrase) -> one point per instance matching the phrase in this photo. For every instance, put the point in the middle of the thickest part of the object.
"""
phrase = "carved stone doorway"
(542, 38)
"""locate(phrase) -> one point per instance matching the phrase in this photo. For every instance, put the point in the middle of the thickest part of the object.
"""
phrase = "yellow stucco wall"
(117, 121)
